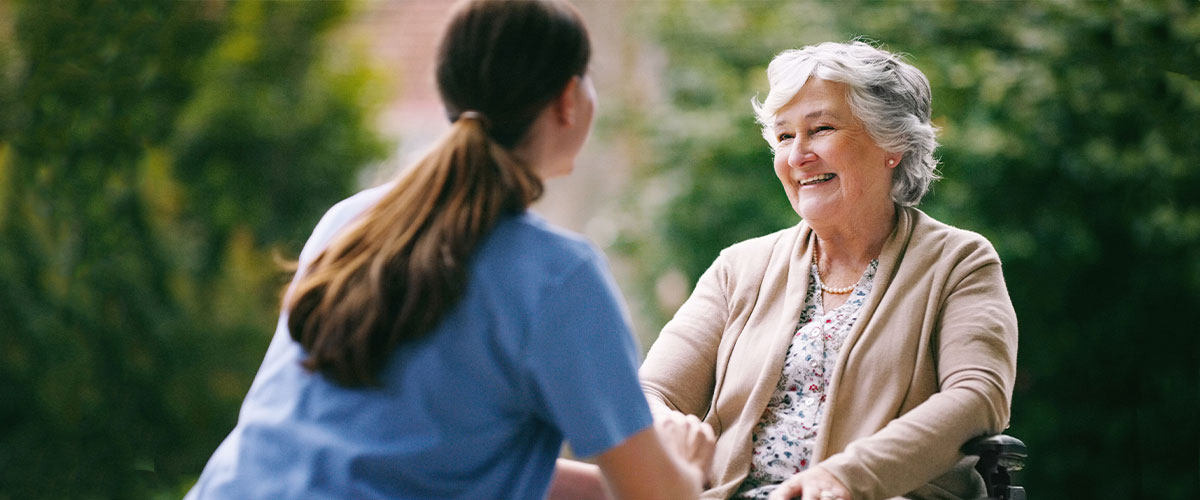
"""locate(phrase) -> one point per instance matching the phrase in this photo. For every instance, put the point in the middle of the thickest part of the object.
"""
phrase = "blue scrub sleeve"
(583, 361)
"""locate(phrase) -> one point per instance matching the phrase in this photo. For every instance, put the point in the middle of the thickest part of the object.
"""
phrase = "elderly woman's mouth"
(816, 179)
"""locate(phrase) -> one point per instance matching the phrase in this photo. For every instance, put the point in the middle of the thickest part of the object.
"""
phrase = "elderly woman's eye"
(817, 130)
(783, 136)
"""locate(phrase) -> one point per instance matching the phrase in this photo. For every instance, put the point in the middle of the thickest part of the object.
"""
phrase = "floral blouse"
(785, 436)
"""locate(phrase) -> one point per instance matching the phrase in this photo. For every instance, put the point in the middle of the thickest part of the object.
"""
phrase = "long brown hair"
(391, 276)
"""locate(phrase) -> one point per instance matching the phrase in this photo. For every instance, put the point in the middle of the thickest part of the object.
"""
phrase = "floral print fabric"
(785, 436)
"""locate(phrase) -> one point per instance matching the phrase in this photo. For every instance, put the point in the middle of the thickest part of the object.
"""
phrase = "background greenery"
(156, 155)
(153, 154)
(1069, 134)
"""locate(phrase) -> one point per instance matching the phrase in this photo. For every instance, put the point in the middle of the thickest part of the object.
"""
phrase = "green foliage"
(708, 180)
(152, 156)
(1072, 146)
(1068, 140)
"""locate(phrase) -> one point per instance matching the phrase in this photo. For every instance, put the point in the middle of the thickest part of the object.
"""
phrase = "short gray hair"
(890, 97)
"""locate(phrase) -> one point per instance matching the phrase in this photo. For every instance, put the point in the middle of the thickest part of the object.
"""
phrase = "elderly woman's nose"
(799, 154)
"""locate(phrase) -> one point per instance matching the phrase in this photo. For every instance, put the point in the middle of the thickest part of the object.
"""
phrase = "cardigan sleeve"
(975, 342)
(679, 370)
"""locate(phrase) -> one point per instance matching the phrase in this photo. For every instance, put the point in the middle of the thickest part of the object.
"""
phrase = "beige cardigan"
(929, 364)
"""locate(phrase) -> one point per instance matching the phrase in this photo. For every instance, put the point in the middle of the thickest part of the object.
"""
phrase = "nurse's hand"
(662, 462)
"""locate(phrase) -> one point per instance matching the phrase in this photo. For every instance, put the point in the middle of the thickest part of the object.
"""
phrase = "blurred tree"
(152, 155)
(1068, 140)
(708, 179)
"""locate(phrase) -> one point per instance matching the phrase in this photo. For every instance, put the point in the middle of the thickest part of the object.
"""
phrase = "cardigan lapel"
(889, 260)
(773, 325)
(778, 304)
(798, 259)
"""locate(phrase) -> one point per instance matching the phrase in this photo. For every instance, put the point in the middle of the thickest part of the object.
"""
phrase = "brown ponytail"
(391, 276)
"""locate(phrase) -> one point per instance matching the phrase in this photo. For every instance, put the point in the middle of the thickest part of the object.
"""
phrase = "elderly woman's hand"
(812, 484)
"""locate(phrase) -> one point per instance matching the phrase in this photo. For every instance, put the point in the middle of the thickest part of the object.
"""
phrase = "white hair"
(889, 96)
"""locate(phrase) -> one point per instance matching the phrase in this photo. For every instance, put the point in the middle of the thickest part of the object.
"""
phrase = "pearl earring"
(891, 162)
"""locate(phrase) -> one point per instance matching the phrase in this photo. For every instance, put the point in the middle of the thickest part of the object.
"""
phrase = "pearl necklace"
(834, 290)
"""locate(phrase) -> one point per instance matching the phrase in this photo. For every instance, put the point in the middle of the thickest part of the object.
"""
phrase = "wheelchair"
(999, 455)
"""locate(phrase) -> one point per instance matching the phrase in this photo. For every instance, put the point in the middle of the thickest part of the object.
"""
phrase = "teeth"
(815, 179)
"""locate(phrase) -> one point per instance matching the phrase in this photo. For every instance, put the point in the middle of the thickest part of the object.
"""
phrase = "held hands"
(813, 484)
(676, 452)
(689, 440)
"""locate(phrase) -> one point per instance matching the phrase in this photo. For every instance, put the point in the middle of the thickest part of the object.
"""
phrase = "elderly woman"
(852, 355)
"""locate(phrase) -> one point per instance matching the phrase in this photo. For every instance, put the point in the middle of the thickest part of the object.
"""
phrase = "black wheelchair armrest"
(999, 454)
(1008, 451)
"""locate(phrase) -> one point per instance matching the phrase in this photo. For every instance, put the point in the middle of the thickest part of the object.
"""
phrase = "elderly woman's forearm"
(915, 448)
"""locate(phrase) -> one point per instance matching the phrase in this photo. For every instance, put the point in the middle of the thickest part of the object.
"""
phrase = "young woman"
(439, 340)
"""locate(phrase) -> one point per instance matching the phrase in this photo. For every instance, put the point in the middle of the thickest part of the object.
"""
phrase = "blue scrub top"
(538, 349)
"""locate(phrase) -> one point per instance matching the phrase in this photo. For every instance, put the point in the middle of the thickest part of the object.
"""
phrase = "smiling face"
(830, 168)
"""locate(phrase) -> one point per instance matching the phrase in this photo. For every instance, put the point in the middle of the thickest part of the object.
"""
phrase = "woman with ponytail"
(441, 341)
